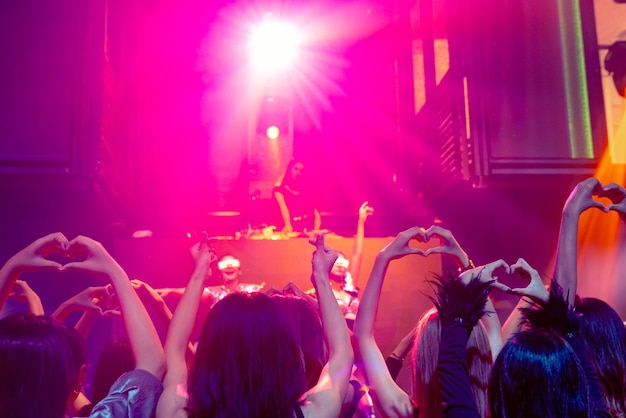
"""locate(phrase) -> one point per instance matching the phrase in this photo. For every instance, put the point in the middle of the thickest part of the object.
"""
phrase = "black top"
(300, 205)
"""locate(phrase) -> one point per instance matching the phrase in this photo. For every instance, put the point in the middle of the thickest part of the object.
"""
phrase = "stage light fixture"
(272, 132)
(615, 64)
(273, 118)
(273, 45)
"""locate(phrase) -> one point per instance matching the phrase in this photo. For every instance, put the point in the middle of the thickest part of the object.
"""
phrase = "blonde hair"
(424, 358)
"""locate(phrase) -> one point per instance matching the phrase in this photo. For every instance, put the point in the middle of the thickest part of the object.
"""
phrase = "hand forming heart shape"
(616, 194)
(586, 193)
(535, 288)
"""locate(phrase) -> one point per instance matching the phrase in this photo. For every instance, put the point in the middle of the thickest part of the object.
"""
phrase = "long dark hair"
(537, 374)
(306, 326)
(604, 333)
(40, 362)
(299, 184)
(247, 363)
(116, 359)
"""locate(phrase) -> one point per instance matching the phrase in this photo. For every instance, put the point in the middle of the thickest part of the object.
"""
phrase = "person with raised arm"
(246, 348)
(31, 258)
(345, 274)
(390, 398)
(174, 400)
(136, 392)
(43, 361)
(579, 200)
(599, 324)
(545, 370)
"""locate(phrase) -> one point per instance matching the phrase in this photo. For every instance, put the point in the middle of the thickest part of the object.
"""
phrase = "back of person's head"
(247, 363)
(424, 357)
(116, 359)
(537, 374)
(40, 366)
(604, 332)
(306, 326)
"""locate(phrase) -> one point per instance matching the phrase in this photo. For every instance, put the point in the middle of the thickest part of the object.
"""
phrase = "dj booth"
(166, 262)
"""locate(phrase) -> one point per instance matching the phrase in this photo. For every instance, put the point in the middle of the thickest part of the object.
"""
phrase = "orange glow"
(601, 252)
(618, 142)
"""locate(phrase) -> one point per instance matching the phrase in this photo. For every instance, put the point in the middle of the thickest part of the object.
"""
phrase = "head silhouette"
(424, 357)
(538, 374)
(41, 363)
(247, 363)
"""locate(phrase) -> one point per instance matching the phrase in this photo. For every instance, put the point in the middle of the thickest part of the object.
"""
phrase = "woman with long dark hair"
(248, 362)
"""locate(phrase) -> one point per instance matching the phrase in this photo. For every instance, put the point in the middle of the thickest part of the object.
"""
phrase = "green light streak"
(575, 79)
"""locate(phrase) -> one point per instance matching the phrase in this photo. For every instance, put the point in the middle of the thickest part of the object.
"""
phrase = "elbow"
(159, 369)
(156, 365)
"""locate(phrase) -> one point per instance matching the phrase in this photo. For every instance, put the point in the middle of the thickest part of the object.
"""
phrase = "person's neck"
(233, 285)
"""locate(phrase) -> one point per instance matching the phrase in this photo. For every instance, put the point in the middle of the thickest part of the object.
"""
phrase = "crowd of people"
(293, 353)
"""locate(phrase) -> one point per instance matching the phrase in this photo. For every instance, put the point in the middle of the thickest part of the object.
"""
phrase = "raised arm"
(460, 304)
(357, 251)
(141, 332)
(174, 397)
(284, 212)
(31, 258)
(317, 219)
(392, 400)
(90, 301)
(565, 267)
(448, 245)
(326, 398)
(151, 297)
(395, 360)
(23, 293)
(617, 195)
(534, 292)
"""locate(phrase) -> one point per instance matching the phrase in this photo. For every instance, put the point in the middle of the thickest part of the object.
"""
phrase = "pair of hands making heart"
(56, 252)
(587, 191)
(400, 247)
(535, 288)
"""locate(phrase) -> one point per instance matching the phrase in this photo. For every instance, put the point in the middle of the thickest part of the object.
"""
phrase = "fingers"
(74, 265)
(490, 268)
(614, 192)
(484, 273)
(417, 251)
(500, 286)
(414, 232)
(522, 268)
(49, 264)
(599, 205)
(593, 183)
(434, 250)
(438, 231)
(113, 313)
(52, 243)
(617, 207)
(93, 306)
(317, 240)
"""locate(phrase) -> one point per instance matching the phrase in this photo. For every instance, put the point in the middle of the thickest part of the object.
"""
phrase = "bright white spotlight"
(273, 45)
(272, 132)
